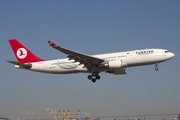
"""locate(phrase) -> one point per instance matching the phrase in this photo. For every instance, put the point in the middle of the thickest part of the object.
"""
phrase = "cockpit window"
(166, 51)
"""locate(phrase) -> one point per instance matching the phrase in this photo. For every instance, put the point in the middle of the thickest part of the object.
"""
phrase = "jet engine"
(114, 64)
(118, 71)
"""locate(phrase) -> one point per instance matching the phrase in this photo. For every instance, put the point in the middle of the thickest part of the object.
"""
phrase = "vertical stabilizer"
(22, 54)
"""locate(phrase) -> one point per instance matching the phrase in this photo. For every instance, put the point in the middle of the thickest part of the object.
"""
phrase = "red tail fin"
(22, 54)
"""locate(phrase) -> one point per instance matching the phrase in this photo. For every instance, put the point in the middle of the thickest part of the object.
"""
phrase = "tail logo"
(21, 53)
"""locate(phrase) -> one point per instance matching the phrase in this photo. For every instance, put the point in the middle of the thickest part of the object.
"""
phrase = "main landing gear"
(156, 68)
(94, 77)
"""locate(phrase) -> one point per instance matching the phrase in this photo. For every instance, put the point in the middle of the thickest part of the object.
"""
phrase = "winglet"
(52, 44)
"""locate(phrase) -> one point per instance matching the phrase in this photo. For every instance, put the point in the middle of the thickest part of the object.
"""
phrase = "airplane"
(113, 63)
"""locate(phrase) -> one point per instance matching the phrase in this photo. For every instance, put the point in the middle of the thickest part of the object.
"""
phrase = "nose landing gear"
(156, 68)
(94, 77)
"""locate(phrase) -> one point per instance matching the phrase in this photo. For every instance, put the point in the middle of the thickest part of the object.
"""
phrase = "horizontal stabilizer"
(21, 64)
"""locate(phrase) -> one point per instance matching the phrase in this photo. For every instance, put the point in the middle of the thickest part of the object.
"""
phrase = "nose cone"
(172, 55)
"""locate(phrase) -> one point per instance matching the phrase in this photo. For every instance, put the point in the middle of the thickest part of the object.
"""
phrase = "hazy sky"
(91, 27)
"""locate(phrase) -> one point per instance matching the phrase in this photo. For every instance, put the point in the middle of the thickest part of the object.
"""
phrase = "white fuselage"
(127, 59)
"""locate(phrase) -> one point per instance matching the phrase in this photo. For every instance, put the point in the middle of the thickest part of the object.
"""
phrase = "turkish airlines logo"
(21, 53)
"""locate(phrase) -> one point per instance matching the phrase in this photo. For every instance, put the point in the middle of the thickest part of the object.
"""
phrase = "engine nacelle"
(114, 64)
(118, 71)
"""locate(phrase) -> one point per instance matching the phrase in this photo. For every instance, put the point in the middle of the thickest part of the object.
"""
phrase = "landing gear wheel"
(93, 80)
(94, 74)
(89, 77)
(156, 68)
(98, 77)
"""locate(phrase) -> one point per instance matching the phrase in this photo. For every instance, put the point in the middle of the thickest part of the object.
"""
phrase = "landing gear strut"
(156, 68)
(94, 77)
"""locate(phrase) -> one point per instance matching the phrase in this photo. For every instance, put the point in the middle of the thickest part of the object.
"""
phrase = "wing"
(87, 60)
(21, 64)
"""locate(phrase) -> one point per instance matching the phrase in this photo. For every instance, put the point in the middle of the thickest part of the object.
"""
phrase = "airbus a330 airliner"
(114, 63)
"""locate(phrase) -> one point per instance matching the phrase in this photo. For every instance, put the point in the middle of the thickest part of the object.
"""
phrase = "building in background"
(1, 118)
